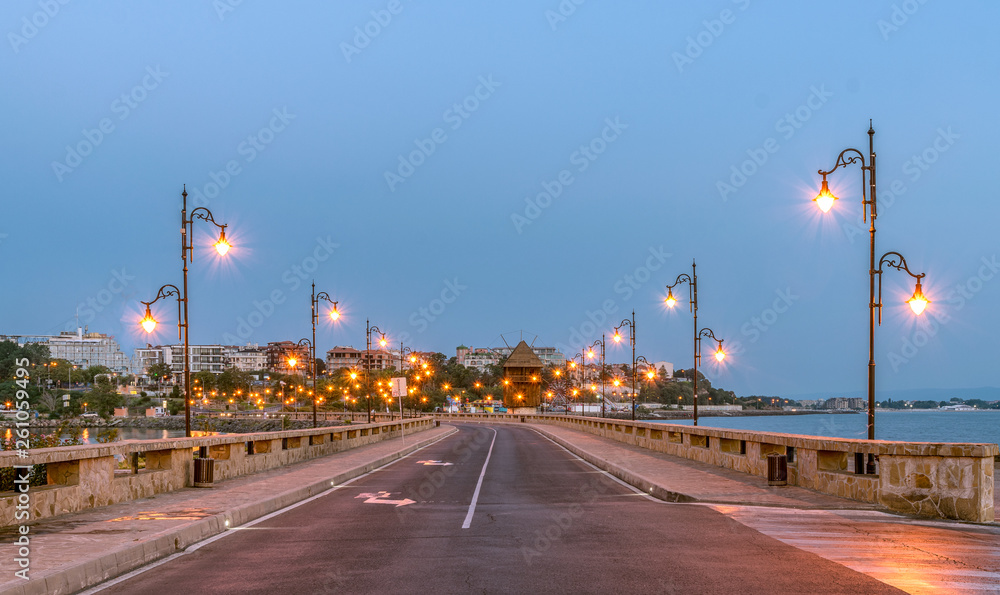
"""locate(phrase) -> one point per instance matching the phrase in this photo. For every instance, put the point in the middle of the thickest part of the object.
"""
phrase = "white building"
(204, 358)
(81, 348)
(246, 358)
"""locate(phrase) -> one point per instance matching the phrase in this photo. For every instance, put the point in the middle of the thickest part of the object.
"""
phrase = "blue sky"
(455, 171)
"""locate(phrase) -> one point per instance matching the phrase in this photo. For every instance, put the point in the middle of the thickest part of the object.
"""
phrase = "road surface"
(494, 509)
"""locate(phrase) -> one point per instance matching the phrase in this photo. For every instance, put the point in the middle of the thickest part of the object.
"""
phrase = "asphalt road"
(544, 522)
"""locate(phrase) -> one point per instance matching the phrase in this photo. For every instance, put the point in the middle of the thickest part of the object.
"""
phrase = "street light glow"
(918, 302)
(149, 323)
(720, 354)
(670, 301)
(222, 246)
(334, 314)
(825, 198)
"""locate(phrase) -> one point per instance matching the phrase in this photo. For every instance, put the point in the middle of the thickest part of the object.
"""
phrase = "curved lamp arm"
(149, 323)
(896, 261)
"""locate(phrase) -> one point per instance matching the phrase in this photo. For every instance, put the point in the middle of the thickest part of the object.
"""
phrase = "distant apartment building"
(845, 403)
(481, 357)
(203, 358)
(279, 352)
(246, 358)
(342, 358)
(81, 348)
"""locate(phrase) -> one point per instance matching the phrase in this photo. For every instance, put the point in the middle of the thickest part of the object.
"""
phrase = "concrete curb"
(633, 479)
(126, 559)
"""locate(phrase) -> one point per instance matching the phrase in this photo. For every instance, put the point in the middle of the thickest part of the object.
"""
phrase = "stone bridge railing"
(81, 477)
(944, 480)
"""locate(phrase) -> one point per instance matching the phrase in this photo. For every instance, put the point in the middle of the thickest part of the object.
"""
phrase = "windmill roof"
(523, 357)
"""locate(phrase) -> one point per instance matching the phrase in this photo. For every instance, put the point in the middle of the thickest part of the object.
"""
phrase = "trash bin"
(204, 472)
(777, 470)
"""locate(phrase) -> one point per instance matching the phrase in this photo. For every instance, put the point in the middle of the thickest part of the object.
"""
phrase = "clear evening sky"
(456, 170)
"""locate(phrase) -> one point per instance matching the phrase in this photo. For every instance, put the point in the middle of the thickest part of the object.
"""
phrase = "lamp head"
(617, 337)
(918, 302)
(670, 301)
(148, 322)
(825, 198)
(222, 246)
(334, 314)
(292, 361)
(719, 353)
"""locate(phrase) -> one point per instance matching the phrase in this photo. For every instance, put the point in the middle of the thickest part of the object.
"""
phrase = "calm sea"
(908, 426)
(89, 435)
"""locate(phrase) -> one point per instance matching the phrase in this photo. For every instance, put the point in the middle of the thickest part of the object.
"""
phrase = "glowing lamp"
(292, 361)
(825, 198)
(222, 246)
(149, 323)
(617, 337)
(671, 301)
(918, 302)
(720, 354)
(334, 314)
(382, 342)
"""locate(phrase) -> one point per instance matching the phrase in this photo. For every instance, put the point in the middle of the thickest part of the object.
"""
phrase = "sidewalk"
(676, 479)
(73, 551)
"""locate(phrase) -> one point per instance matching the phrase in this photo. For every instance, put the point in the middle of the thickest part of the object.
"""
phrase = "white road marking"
(479, 485)
(378, 498)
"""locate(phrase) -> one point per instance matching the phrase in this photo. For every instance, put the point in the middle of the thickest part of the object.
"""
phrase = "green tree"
(89, 373)
(232, 380)
(204, 380)
(159, 373)
(103, 398)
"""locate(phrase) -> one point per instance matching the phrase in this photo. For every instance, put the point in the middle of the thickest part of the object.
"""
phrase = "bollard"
(777, 470)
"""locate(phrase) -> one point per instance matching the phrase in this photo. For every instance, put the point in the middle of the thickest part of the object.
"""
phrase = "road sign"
(399, 387)
(379, 498)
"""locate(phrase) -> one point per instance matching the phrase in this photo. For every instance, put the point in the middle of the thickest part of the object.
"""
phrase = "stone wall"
(942, 480)
(81, 477)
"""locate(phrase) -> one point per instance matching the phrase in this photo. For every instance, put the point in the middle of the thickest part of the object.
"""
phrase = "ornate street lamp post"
(222, 246)
(825, 200)
(591, 354)
(369, 329)
(292, 361)
(413, 361)
(314, 318)
(618, 338)
(671, 301)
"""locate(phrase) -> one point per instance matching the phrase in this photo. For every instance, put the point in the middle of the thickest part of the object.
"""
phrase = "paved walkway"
(918, 556)
(72, 551)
